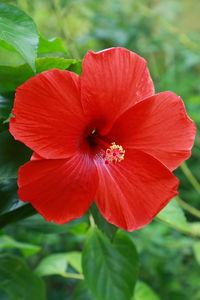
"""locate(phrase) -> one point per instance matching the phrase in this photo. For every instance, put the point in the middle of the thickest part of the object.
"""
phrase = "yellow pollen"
(115, 153)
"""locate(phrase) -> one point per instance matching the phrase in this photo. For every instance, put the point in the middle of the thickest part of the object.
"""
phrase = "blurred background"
(167, 35)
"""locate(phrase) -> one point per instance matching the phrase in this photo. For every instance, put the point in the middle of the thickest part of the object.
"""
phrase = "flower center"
(113, 153)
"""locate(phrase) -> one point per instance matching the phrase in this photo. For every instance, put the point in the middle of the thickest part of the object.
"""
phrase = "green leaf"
(110, 269)
(8, 195)
(13, 154)
(52, 264)
(51, 46)
(5, 107)
(7, 46)
(195, 228)
(76, 67)
(74, 259)
(56, 264)
(38, 224)
(102, 224)
(196, 248)
(47, 63)
(173, 215)
(15, 215)
(13, 76)
(144, 292)
(82, 292)
(7, 242)
(19, 31)
(17, 280)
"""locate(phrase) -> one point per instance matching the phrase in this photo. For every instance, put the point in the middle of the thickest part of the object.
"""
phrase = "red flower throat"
(109, 152)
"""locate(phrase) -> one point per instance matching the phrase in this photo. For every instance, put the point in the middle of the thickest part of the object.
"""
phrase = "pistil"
(113, 153)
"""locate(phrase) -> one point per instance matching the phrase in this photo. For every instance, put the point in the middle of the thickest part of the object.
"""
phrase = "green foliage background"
(167, 34)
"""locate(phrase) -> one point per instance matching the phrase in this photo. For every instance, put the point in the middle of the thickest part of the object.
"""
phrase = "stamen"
(115, 153)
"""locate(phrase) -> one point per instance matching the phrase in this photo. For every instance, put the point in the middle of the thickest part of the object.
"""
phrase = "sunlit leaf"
(144, 292)
(196, 248)
(13, 76)
(51, 46)
(173, 215)
(74, 259)
(7, 242)
(19, 31)
(195, 228)
(52, 264)
(56, 264)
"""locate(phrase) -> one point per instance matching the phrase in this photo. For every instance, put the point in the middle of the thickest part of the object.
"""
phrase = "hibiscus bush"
(99, 189)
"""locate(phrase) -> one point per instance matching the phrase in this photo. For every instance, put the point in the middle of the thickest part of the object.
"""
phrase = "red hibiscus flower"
(104, 137)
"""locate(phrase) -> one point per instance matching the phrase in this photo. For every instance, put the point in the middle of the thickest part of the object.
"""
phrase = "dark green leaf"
(8, 195)
(18, 281)
(13, 154)
(82, 292)
(13, 76)
(102, 224)
(37, 223)
(15, 215)
(76, 67)
(5, 107)
(51, 46)
(110, 269)
(3, 126)
(18, 30)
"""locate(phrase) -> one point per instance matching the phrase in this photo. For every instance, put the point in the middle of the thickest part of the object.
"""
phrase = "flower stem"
(91, 219)
(192, 210)
(190, 177)
(183, 231)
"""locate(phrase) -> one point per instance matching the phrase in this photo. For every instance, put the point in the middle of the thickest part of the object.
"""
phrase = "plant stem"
(190, 177)
(192, 210)
(72, 275)
(92, 222)
(186, 232)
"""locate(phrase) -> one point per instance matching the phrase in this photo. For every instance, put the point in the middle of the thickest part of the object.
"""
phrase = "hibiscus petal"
(36, 156)
(112, 81)
(159, 126)
(48, 114)
(60, 190)
(133, 191)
